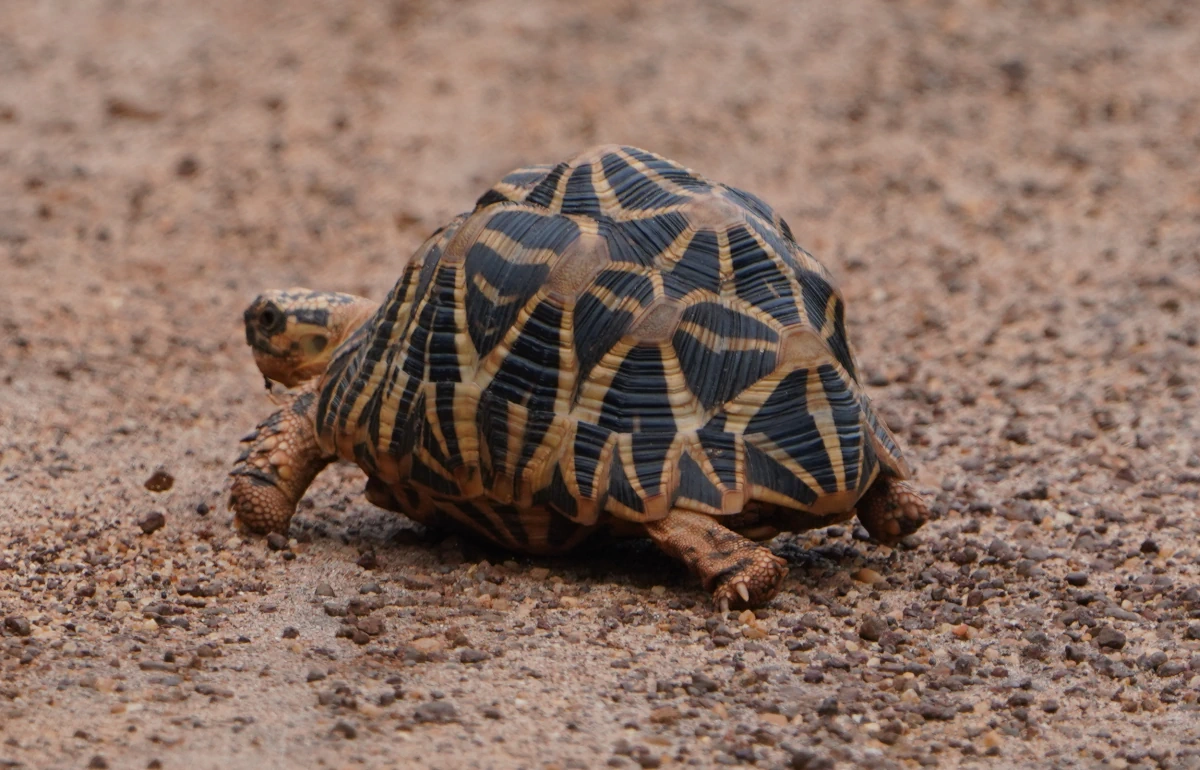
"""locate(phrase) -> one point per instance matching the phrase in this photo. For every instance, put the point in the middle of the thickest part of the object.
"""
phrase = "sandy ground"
(1007, 192)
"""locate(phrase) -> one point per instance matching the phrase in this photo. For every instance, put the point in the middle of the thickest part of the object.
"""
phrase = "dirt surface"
(1007, 193)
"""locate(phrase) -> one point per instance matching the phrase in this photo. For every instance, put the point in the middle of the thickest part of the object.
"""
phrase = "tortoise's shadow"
(632, 562)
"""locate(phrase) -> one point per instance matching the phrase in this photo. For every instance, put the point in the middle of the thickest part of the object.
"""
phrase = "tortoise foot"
(891, 510)
(738, 572)
(279, 459)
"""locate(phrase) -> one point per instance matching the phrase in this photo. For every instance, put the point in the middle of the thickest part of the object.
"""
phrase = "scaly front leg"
(735, 570)
(280, 458)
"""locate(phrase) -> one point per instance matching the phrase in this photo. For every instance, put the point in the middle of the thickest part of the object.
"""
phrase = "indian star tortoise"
(613, 342)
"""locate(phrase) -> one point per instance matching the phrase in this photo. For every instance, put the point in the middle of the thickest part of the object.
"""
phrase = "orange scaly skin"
(280, 460)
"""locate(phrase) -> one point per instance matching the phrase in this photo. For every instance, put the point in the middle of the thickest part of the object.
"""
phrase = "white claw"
(743, 592)
(723, 605)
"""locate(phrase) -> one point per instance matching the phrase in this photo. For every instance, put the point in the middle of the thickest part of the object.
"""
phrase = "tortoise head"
(294, 332)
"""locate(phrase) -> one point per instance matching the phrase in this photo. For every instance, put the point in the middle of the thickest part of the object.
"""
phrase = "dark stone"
(152, 522)
(471, 655)
(18, 625)
(1108, 638)
(828, 707)
(872, 628)
(438, 711)
(804, 758)
(187, 166)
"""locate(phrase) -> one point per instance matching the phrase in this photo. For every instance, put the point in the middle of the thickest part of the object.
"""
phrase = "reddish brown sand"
(1007, 192)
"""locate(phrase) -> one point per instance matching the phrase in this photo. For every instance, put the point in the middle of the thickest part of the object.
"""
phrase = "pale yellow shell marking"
(822, 414)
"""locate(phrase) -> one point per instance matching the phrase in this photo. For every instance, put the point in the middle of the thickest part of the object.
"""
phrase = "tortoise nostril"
(268, 317)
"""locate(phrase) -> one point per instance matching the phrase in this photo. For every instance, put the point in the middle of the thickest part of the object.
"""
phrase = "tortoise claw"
(755, 581)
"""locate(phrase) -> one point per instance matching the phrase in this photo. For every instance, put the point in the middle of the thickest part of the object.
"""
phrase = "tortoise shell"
(612, 336)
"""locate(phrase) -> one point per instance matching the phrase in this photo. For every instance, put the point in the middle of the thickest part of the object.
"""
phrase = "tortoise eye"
(271, 320)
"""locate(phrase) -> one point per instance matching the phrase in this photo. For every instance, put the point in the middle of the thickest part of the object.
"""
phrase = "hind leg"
(279, 461)
(892, 509)
(734, 569)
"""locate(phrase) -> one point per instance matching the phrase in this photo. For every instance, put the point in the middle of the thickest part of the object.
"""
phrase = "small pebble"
(368, 560)
(1077, 579)
(18, 625)
(159, 481)
(868, 576)
(872, 628)
(665, 715)
(471, 655)
(435, 711)
(187, 166)
(325, 590)
(276, 541)
(1109, 638)
(152, 522)
(1171, 668)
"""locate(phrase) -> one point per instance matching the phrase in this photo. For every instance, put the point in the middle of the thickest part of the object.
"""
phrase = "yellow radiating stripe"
(422, 454)
(517, 421)
(822, 414)
(658, 179)
(686, 409)
(511, 250)
(779, 455)
(746, 406)
(604, 191)
(725, 259)
(560, 190)
(568, 361)
(782, 266)
(695, 450)
(675, 251)
(481, 505)
(593, 390)
(625, 457)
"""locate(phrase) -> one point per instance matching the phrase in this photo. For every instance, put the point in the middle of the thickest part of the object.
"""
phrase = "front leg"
(734, 569)
(279, 460)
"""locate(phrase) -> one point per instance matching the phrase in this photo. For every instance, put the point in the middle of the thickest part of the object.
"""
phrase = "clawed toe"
(752, 584)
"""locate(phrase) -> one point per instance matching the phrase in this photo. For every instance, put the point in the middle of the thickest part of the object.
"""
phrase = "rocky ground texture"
(1006, 192)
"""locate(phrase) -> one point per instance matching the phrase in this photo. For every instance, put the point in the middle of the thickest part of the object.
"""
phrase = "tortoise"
(612, 342)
